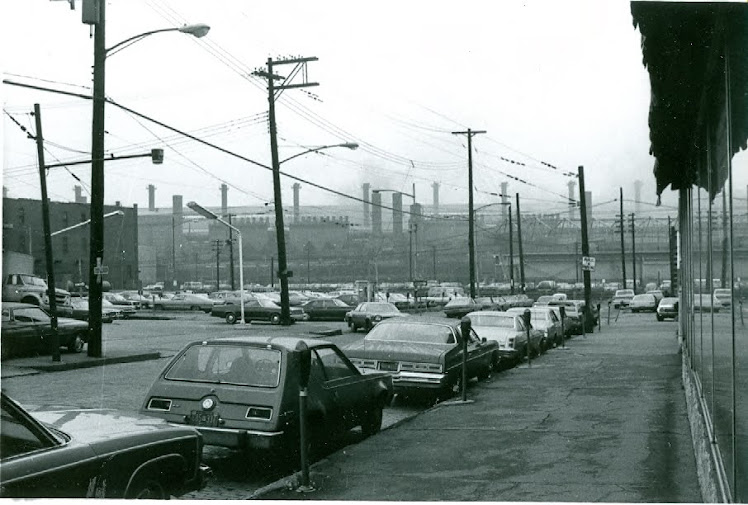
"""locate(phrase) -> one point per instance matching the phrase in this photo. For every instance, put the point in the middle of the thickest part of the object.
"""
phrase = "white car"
(643, 303)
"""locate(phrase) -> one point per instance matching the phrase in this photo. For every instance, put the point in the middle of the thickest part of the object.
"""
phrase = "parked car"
(367, 314)
(120, 311)
(723, 296)
(667, 308)
(258, 309)
(118, 300)
(622, 298)
(705, 302)
(543, 300)
(348, 299)
(545, 320)
(659, 295)
(572, 315)
(184, 301)
(489, 302)
(424, 355)
(400, 300)
(508, 331)
(80, 310)
(26, 329)
(328, 309)
(242, 392)
(459, 307)
(96, 453)
(140, 301)
(643, 303)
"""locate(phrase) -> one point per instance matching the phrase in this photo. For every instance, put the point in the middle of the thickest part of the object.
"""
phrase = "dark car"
(80, 310)
(243, 392)
(27, 328)
(367, 314)
(424, 355)
(349, 299)
(328, 309)
(458, 307)
(95, 453)
(259, 309)
(184, 301)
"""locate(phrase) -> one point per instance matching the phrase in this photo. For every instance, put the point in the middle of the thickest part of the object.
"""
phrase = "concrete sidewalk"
(604, 420)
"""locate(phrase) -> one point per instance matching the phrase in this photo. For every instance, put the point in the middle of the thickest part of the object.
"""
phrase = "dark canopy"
(684, 45)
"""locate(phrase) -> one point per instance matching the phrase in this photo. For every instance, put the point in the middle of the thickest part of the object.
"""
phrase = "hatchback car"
(424, 355)
(95, 453)
(243, 392)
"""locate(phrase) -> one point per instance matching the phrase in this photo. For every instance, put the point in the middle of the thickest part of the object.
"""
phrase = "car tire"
(76, 344)
(660, 318)
(354, 327)
(231, 318)
(485, 372)
(373, 421)
(195, 308)
(368, 326)
(158, 307)
(275, 319)
(146, 488)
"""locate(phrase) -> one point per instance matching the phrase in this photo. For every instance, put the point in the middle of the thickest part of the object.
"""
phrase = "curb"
(327, 333)
(91, 362)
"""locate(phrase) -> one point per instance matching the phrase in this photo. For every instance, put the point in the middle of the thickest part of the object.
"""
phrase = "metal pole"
(285, 318)
(174, 253)
(526, 316)
(241, 275)
(96, 255)
(519, 241)
(471, 215)
(410, 253)
(303, 438)
(218, 264)
(272, 271)
(55, 341)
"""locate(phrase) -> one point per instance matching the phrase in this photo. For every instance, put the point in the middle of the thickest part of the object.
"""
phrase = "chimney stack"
(296, 187)
(397, 214)
(436, 197)
(151, 197)
(224, 200)
(376, 211)
(637, 196)
(367, 207)
(572, 199)
(504, 200)
(79, 198)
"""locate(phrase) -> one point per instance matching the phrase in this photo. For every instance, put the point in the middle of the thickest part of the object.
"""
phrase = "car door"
(345, 388)
(18, 337)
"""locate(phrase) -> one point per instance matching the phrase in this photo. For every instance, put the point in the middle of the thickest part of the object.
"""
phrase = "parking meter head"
(305, 363)
(526, 317)
(465, 326)
(562, 310)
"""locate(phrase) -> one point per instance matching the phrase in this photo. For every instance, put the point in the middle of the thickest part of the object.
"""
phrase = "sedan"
(667, 309)
(545, 320)
(184, 301)
(242, 392)
(96, 453)
(643, 303)
(328, 309)
(80, 310)
(259, 309)
(368, 314)
(424, 356)
(459, 307)
(508, 331)
(27, 328)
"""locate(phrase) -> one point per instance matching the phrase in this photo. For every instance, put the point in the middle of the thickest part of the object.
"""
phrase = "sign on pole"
(588, 263)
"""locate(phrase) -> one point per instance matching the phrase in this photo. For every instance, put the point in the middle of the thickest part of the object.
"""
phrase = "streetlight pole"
(210, 215)
(96, 251)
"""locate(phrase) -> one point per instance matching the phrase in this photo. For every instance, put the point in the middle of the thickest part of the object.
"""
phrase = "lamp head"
(198, 30)
(201, 210)
(350, 145)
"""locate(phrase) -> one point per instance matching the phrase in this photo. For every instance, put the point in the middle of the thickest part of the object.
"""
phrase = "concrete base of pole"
(455, 402)
(305, 489)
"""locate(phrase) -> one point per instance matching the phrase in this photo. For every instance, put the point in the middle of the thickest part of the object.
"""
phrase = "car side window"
(6, 315)
(334, 365)
(16, 437)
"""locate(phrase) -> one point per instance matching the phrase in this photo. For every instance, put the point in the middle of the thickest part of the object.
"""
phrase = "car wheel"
(231, 318)
(367, 325)
(76, 344)
(485, 372)
(275, 319)
(195, 308)
(354, 327)
(158, 307)
(147, 489)
(660, 318)
(373, 422)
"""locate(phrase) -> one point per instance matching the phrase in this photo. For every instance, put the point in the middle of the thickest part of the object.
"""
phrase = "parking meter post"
(599, 321)
(305, 363)
(526, 318)
(608, 312)
(562, 310)
(465, 332)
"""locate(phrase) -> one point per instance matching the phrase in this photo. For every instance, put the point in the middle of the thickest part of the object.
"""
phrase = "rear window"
(416, 333)
(231, 364)
(493, 321)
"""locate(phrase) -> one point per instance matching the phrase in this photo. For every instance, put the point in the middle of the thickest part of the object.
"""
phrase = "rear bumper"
(410, 381)
(241, 439)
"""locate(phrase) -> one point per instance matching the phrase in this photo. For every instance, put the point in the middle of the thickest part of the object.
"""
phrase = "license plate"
(198, 418)
(388, 366)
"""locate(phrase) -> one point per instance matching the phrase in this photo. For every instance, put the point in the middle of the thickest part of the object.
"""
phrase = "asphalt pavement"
(603, 421)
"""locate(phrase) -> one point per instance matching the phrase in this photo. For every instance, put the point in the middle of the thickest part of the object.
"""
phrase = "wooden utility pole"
(471, 218)
(52, 294)
(519, 242)
(231, 255)
(633, 251)
(511, 254)
(586, 248)
(623, 245)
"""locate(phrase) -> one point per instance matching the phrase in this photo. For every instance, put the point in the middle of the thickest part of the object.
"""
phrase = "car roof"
(286, 341)
(421, 320)
(494, 313)
(17, 305)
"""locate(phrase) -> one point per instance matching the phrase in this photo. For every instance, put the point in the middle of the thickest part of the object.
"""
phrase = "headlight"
(377, 318)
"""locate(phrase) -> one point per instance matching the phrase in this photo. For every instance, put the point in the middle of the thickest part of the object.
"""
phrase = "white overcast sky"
(559, 82)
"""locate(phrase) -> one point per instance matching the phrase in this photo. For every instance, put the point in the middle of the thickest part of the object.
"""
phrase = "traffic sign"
(588, 263)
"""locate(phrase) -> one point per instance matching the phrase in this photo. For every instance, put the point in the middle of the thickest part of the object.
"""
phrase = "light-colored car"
(185, 301)
(643, 303)
(724, 296)
(622, 298)
(508, 331)
(545, 320)
(667, 308)
(659, 295)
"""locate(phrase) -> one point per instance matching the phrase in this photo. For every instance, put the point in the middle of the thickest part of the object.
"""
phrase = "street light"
(84, 223)
(210, 215)
(279, 227)
(97, 164)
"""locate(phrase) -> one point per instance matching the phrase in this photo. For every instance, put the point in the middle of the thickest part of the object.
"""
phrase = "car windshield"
(457, 302)
(419, 333)
(379, 307)
(490, 320)
(31, 315)
(644, 298)
(268, 304)
(231, 364)
(30, 280)
(625, 292)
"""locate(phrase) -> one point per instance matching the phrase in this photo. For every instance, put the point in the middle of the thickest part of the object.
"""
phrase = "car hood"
(67, 322)
(397, 351)
(108, 429)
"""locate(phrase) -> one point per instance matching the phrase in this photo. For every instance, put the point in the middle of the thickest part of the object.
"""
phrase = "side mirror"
(305, 363)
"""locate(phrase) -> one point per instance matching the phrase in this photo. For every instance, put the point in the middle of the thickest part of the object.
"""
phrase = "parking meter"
(465, 328)
(599, 322)
(305, 363)
(305, 366)
(562, 310)
(526, 315)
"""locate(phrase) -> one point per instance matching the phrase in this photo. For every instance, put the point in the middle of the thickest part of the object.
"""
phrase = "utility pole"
(96, 251)
(231, 255)
(55, 341)
(511, 254)
(300, 64)
(173, 251)
(519, 241)
(433, 259)
(272, 271)
(410, 253)
(471, 218)
(218, 264)
(623, 250)
(308, 248)
(725, 248)
(586, 248)
(633, 250)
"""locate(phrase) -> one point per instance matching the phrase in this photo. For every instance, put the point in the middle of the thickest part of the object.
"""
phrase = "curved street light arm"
(198, 30)
(348, 145)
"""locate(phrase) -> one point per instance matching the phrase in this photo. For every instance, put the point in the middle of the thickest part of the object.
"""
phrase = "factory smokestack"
(397, 214)
(367, 207)
(376, 212)
(151, 197)
(224, 200)
(436, 197)
(296, 188)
